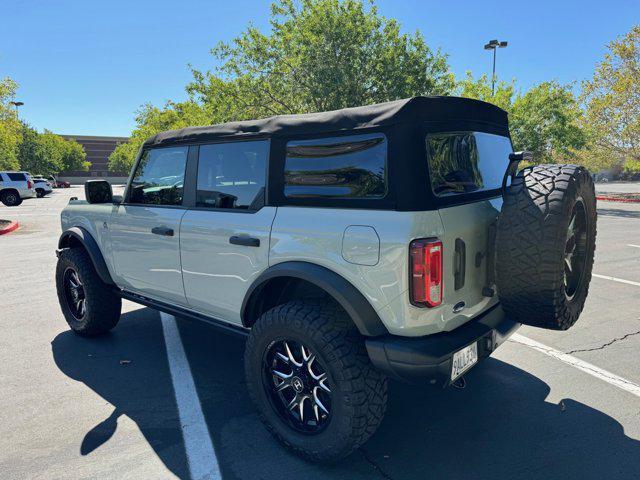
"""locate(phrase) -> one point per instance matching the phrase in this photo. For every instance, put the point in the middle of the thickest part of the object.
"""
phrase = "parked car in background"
(15, 187)
(42, 186)
(55, 183)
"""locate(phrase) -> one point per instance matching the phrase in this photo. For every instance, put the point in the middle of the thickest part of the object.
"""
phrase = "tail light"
(29, 184)
(425, 257)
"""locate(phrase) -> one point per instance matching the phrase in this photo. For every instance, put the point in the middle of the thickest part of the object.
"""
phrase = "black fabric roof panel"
(415, 109)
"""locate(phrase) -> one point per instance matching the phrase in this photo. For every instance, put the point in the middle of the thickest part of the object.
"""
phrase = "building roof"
(414, 109)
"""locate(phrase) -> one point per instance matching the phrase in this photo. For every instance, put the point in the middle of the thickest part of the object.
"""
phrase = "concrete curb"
(10, 227)
(604, 198)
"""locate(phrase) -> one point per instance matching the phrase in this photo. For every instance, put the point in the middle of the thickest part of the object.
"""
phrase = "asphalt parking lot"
(547, 404)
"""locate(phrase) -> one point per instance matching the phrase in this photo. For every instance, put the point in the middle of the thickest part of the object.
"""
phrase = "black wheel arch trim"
(91, 246)
(344, 292)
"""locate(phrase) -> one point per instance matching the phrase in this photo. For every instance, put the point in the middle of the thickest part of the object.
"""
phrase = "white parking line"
(586, 367)
(201, 456)
(614, 279)
(631, 245)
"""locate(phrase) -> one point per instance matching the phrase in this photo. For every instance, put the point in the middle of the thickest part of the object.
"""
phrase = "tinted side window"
(338, 167)
(464, 162)
(232, 175)
(159, 177)
(17, 177)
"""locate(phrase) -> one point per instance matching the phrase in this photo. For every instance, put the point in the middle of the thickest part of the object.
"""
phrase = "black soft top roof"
(415, 109)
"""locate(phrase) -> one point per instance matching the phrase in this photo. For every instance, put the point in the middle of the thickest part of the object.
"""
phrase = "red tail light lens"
(425, 258)
(29, 184)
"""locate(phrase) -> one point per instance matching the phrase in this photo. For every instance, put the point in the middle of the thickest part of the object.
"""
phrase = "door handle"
(244, 241)
(166, 231)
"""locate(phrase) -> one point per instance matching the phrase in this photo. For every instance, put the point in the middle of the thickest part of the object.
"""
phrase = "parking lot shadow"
(500, 426)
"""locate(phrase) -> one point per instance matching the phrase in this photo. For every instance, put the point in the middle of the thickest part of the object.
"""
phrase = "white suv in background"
(15, 187)
(42, 186)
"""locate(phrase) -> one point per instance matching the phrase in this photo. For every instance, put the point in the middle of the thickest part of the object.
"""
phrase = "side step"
(184, 313)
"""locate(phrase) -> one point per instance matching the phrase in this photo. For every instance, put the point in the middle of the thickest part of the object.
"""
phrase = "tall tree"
(47, 153)
(318, 55)
(546, 119)
(612, 99)
(10, 129)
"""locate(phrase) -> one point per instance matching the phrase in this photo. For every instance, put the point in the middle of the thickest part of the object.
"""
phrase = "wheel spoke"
(282, 375)
(81, 309)
(301, 408)
(283, 385)
(567, 265)
(282, 357)
(323, 385)
(318, 402)
(290, 355)
(293, 403)
(570, 246)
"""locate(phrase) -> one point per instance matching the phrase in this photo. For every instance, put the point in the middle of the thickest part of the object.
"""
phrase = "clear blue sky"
(84, 67)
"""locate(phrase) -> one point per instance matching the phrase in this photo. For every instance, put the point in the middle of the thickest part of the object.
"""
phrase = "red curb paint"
(9, 228)
(616, 199)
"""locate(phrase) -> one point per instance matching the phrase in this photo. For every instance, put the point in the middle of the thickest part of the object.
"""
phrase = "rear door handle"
(244, 241)
(166, 231)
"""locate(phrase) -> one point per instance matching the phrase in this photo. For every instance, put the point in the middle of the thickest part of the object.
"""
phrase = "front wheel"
(10, 198)
(309, 374)
(89, 306)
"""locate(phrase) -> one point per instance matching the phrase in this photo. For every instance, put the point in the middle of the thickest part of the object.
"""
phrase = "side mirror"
(98, 191)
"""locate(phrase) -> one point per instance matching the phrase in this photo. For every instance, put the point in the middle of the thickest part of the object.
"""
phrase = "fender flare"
(82, 236)
(348, 296)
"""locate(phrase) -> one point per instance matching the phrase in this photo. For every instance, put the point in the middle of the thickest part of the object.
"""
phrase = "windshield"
(465, 162)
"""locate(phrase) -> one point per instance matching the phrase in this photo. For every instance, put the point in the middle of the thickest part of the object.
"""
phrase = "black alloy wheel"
(74, 293)
(297, 386)
(575, 252)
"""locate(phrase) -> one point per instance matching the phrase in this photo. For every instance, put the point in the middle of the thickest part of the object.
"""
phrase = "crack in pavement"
(618, 339)
(375, 466)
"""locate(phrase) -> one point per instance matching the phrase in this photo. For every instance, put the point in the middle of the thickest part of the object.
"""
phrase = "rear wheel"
(10, 198)
(309, 375)
(89, 306)
(545, 245)
(39, 192)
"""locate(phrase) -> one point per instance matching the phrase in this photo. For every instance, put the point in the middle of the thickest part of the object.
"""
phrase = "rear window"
(16, 177)
(465, 162)
(338, 167)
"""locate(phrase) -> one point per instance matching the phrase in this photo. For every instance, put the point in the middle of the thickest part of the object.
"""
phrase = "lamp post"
(494, 45)
(17, 104)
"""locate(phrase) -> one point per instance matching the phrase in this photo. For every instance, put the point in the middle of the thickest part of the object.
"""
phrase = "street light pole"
(16, 105)
(494, 45)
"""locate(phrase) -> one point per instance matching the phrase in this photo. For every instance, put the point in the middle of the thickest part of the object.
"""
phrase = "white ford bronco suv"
(393, 240)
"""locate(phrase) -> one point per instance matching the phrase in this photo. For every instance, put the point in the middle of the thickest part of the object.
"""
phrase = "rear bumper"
(428, 359)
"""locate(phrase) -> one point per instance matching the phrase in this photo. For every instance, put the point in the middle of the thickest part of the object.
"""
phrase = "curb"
(616, 199)
(10, 227)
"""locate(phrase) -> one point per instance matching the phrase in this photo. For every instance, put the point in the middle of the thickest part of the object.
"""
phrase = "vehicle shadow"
(500, 426)
(618, 212)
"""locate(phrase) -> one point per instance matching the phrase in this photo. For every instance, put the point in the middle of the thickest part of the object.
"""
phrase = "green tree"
(547, 120)
(318, 55)
(612, 100)
(10, 129)
(47, 153)
(480, 89)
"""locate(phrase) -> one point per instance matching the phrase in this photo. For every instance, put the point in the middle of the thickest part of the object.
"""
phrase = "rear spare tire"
(545, 245)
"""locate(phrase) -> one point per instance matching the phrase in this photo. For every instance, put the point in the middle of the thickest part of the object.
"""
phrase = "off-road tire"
(359, 391)
(103, 306)
(10, 198)
(531, 241)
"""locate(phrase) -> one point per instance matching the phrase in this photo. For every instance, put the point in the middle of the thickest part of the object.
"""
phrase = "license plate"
(463, 360)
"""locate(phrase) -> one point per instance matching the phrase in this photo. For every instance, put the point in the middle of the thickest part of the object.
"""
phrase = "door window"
(159, 177)
(465, 162)
(339, 167)
(232, 175)
(17, 177)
